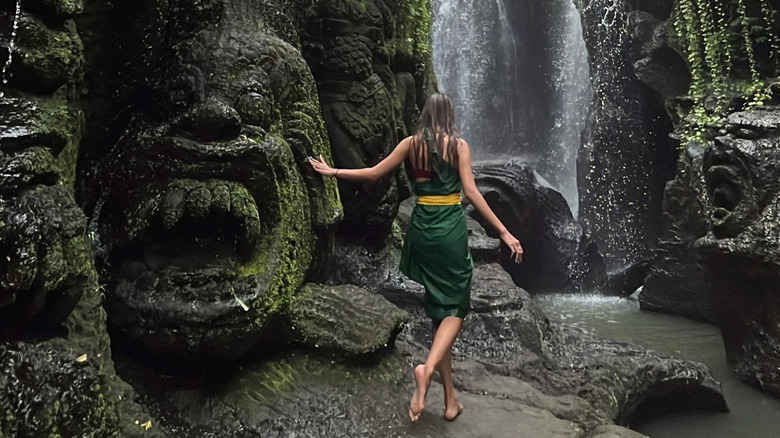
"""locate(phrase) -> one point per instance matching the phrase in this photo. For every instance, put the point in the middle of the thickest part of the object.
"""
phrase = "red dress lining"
(422, 173)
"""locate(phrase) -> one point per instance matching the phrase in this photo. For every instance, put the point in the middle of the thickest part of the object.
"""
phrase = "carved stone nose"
(212, 120)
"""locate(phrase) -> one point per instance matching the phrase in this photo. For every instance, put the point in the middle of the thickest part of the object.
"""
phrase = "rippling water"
(753, 414)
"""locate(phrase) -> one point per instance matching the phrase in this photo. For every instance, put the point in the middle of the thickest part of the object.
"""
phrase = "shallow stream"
(753, 413)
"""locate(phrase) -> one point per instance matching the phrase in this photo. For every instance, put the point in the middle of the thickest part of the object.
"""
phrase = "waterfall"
(518, 76)
(12, 42)
(571, 100)
(474, 57)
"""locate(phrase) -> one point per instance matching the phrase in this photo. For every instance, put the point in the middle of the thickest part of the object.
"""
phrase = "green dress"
(436, 250)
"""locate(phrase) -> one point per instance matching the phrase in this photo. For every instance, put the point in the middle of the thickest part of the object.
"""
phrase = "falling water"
(474, 52)
(572, 97)
(518, 75)
(12, 41)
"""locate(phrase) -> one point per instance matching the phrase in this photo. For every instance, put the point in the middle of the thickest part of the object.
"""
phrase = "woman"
(435, 251)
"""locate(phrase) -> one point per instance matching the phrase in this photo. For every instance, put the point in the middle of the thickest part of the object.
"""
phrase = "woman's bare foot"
(452, 410)
(417, 404)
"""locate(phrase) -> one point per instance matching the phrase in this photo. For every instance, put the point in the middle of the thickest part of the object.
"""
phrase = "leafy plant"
(718, 40)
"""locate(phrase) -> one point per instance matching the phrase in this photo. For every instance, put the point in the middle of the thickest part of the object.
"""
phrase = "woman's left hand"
(514, 246)
(321, 167)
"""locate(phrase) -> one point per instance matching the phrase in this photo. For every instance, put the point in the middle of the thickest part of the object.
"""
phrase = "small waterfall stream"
(12, 42)
(518, 75)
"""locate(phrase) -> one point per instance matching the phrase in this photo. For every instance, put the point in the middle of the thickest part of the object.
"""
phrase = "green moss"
(412, 24)
(279, 378)
(287, 260)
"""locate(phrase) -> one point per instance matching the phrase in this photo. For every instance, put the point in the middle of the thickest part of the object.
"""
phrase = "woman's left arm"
(478, 201)
(387, 165)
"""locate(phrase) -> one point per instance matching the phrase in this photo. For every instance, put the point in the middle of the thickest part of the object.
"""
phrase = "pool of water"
(753, 413)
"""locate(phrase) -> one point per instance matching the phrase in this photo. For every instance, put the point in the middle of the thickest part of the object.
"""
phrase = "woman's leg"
(452, 407)
(443, 338)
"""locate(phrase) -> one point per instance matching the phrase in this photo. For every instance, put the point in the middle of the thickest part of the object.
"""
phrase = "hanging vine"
(768, 14)
(708, 35)
(755, 88)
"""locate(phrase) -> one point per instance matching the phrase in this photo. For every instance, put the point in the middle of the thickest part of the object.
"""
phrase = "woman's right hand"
(321, 167)
(514, 246)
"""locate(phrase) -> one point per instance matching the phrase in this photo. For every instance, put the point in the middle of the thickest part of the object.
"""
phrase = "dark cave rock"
(675, 281)
(625, 282)
(49, 390)
(626, 156)
(558, 255)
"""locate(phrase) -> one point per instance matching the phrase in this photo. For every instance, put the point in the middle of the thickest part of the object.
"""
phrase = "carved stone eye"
(255, 109)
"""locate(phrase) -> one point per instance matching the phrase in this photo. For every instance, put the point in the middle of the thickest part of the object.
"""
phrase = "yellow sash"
(451, 199)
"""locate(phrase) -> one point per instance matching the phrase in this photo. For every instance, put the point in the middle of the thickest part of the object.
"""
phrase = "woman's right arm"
(478, 201)
(387, 165)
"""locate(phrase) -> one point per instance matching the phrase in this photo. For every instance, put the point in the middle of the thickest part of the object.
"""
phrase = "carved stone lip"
(165, 302)
(28, 122)
(189, 233)
(190, 228)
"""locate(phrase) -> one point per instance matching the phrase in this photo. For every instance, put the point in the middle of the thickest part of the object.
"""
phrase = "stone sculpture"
(206, 206)
(742, 252)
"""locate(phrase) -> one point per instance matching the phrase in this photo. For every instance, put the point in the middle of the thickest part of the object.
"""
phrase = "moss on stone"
(412, 25)
(291, 240)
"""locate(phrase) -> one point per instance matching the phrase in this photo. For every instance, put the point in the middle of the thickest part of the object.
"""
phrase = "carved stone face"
(742, 255)
(204, 214)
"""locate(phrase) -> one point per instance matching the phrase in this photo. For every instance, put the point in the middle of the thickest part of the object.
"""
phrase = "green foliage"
(718, 39)
(412, 23)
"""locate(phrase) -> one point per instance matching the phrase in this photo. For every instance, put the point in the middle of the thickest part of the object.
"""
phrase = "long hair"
(438, 118)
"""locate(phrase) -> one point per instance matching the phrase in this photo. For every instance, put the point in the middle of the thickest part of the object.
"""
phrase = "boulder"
(558, 254)
(345, 320)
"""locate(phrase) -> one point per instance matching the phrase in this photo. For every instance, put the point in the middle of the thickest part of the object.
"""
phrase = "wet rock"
(47, 264)
(44, 58)
(507, 343)
(366, 103)
(720, 258)
(344, 319)
(206, 207)
(656, 64)
(294, 393)
(493, 416)
(674, 284)
(50, 390)
(626, 156)
(613, 431)
(675, 281)
(501, 359)
(625, 282)
(55, 9)
(46, 260)
(558, 255)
